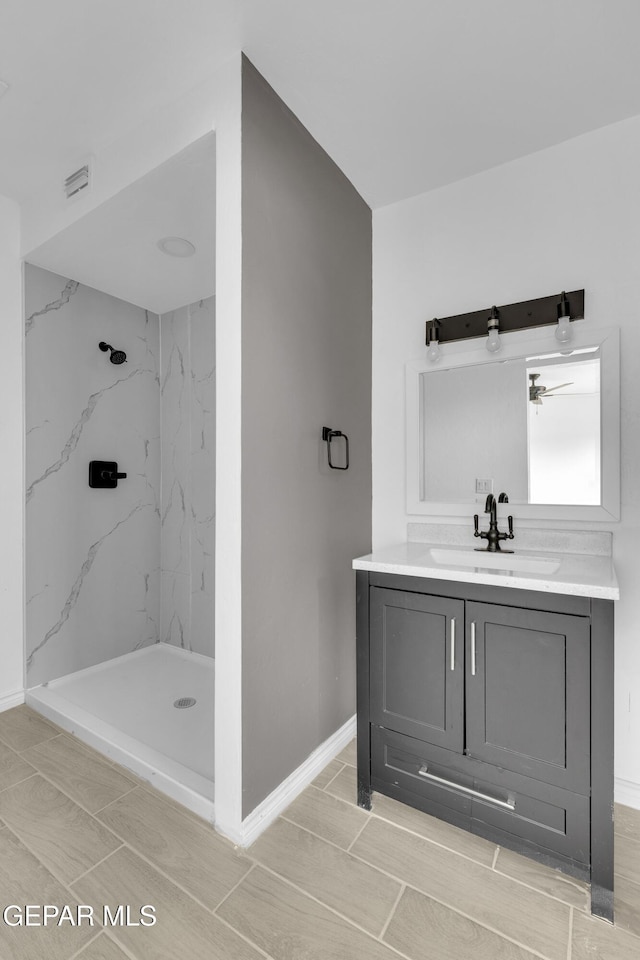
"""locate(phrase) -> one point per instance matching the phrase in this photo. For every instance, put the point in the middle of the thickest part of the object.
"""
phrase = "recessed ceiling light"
(176, 247)
(3, 87)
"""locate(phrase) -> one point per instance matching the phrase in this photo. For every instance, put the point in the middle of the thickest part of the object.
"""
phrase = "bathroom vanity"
(485, 698)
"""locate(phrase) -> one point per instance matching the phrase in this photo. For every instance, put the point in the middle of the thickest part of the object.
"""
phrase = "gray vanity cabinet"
(417, 669)
(492, 708)
(527, 684)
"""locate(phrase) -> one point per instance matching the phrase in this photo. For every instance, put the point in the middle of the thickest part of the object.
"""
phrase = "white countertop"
(579, 575)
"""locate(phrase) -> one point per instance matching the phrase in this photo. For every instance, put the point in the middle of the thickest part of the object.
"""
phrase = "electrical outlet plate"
(484, 486)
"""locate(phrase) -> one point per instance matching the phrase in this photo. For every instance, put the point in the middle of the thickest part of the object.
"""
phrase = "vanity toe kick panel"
(481, 798)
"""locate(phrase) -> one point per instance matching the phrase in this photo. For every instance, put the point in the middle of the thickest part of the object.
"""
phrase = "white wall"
(11, 476)
(564, 218)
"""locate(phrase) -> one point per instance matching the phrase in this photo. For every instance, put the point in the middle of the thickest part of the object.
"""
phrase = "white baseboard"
(628, 793)
(11, 700)
(273, 805)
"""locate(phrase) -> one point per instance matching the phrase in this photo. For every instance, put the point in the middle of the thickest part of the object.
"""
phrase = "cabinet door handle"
(473, 648)
(453, 643)
(509, 804)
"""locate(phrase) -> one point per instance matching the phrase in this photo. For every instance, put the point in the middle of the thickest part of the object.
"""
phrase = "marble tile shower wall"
(187, 339)
(110, 571)
(93, 556)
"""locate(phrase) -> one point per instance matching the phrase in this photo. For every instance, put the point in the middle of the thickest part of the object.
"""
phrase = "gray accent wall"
(306, 363)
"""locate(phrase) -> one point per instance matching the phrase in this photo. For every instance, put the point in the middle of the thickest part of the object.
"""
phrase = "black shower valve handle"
(105, 474)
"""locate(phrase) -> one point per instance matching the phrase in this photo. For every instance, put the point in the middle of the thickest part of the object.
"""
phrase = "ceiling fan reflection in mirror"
(538, 392)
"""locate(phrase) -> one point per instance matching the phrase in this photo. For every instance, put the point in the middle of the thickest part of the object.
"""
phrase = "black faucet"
(493, 535)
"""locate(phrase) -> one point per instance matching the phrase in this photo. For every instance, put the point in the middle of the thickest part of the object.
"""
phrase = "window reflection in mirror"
(563, 431)
(529, 425)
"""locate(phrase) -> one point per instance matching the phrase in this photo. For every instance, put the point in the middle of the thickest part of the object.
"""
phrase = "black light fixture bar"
(513, 316)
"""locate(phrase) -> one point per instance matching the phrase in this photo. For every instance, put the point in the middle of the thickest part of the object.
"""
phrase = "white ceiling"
(114, 247)
(405, 96)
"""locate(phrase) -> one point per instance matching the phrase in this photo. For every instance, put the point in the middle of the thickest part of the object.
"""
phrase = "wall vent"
(77, 181)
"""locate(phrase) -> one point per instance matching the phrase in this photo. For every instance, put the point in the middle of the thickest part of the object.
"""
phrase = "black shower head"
(117, 356)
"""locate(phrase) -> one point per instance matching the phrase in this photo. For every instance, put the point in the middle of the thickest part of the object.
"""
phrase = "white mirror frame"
(515, 346)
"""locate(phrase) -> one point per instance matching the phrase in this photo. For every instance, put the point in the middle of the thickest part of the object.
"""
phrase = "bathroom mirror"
(540, 424)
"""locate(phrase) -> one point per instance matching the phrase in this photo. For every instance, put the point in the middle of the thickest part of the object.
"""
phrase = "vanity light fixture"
(563, 330)
(493, 325)
(508, 318)
(433, 344)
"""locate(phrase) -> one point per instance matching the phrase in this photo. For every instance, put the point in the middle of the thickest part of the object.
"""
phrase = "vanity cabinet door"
(528, 693)
(417, 666)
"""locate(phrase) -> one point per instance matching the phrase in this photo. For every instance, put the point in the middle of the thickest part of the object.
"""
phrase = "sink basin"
(494, 561)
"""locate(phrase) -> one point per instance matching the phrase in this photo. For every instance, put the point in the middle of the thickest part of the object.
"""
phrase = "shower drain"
(184, 702)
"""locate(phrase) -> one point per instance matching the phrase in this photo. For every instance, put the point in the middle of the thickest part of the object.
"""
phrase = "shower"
(120, 604)
(120, 576)
(117, 356)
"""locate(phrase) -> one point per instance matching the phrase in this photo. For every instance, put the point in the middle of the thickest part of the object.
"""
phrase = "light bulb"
(493, 341)
(433, 351)
(433, 347)
(563, 330)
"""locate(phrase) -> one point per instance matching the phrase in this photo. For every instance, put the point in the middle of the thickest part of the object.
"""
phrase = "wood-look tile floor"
(327, 881)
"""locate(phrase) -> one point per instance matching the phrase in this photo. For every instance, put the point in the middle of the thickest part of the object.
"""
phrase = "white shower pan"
(125, 709)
